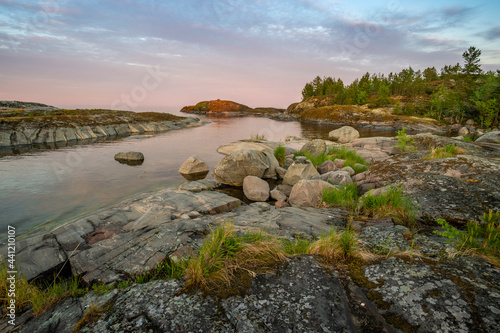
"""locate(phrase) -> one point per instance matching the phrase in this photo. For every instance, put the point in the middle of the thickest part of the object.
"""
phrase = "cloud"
(491, 34)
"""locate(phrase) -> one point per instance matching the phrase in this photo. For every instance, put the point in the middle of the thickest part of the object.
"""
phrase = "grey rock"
(346, 132)
(278, 195)
(255, 188)
(463, 131)
(339, 163)
(337, 177)
(315, 147)
(326, 166)
(199, 185)
(491, 137)
(300, 169)
(349, 170)
(281, 172)
(232, 169)
(194, 168)
(131, 157)
(308, 193)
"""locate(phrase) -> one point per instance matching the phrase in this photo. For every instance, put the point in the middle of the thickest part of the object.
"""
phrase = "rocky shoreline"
(414, 282)
(25, 124)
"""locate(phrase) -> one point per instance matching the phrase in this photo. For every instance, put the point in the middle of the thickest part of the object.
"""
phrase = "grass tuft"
(444, 152)
(335, 246)
(257, 137)
(346, 196)
(279, 153)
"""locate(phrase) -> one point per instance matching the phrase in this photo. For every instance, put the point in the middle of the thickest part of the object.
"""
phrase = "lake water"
(41, 189)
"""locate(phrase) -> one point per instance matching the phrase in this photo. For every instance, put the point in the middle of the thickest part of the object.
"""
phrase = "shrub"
(481, 238)
(405, 142)
(279, 153)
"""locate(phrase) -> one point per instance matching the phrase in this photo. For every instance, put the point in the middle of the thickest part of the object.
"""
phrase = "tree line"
(456, 92)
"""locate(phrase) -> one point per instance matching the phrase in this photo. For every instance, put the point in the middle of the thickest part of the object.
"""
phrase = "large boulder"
(308, 193)
(233, 169)
(491, 137)
(347, 132)
(302, 168)
(315, 147)
(232, 147)
(194, 168)
(255, 188)
(130, 158)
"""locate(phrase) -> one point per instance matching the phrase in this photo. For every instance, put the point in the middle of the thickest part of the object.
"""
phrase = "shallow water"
(43, 188)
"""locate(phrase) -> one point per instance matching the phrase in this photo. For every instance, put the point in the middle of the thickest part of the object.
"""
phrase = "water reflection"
(48, 185)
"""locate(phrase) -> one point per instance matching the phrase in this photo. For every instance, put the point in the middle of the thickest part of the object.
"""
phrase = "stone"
(199, 185)
(463, 131)
(339, 163)
(343, 140)
(194, 168)
(278, 195)
(337, 177)
(491, 137)
(470, 122)
(308, 193)
(349, 170)
(232, 169)
(281, 172)
(286, 189)
(325, 167)
(347, 132)
(302, 168)
(230, 148)
(255, 188)
(281, 204)
(315, 147)
(130, 158)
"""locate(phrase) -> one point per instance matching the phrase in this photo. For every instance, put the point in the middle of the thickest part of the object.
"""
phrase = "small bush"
(480, 238)
(468, 138)
(279, 153)
(444, 152)
(405, 142)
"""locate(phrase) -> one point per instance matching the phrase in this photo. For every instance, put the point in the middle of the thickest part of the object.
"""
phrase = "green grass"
(448, 151)
(279, 153)
(350, 156)
(297, 246)
(346, 196)
(468, 138)
(481, 239)
(335, 246)
(392, 203)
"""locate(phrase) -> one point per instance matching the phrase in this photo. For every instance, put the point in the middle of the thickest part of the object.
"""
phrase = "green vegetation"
(444, 152)
(405, 143)
(279, 153)
(335, 246)
(350, 156)
(391, 203)
(468, 138)
(479, 238)
(41, 298)
(346, 196)
(456, 92)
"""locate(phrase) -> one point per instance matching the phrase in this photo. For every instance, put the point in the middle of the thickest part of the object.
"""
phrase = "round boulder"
(326, 166)
(194, 168)
(308, 193)
(130, 158)
(233, 169)
(255, 188)
(337, 177)
(315, 147)
(347, 132)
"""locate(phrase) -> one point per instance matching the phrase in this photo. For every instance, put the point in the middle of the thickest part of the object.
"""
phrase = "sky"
(138, 55)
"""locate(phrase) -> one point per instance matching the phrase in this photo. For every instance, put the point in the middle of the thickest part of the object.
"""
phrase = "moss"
(400, 323)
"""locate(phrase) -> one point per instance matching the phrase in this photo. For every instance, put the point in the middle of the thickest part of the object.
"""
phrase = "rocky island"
(25, 123)
(369, 235)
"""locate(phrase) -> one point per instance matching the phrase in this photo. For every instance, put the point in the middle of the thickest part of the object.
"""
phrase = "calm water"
(44, 188)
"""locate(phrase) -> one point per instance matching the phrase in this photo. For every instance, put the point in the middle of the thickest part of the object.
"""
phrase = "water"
(43, 188)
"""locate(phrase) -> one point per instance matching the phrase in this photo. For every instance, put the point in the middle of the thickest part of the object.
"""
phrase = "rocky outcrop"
(36, 131)
(194, 168)
(491, 137)
(232, 108)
